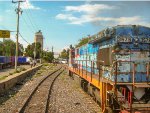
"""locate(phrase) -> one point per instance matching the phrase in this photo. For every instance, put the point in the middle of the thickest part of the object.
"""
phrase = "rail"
(25, 104)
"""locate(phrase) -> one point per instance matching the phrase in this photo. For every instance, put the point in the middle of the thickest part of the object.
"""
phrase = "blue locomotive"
(116, 64)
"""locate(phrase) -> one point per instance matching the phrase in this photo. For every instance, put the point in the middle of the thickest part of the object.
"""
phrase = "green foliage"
(48, 56)
(8, 48)
(2, 77)
(82, 42)
(64, 54)
(31, 48)
(45, 64)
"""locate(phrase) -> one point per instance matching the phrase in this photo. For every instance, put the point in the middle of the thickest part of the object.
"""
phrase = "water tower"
(39, 38)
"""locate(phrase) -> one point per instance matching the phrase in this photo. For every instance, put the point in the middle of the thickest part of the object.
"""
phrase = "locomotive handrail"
(130, 96)
(90, 60)
(92, 67)
(148, 69)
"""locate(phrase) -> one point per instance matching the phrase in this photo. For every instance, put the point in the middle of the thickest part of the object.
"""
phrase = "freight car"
(6, 61)
(114, 67)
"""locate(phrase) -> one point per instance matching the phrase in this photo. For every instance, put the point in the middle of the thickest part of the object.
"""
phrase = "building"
(39, 38)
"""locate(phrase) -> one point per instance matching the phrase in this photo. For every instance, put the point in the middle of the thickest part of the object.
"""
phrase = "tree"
(48, 56)
(21, 50)
(64, 54)
(82, 42)
(1, 48)
(8, 48)
(30, 50)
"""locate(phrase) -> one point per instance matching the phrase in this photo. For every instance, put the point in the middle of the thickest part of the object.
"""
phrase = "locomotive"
(114, 67)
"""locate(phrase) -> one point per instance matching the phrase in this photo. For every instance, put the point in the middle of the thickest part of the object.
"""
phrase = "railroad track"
(38, 101)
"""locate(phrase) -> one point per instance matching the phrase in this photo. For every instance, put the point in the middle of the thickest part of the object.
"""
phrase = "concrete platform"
(11, 81)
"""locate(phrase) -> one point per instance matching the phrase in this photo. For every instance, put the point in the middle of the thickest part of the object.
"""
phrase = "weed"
(3, 77)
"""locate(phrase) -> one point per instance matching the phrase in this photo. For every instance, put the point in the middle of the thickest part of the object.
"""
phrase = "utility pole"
(18, 11)
(34, 50)
(52, 52)
(52, 49)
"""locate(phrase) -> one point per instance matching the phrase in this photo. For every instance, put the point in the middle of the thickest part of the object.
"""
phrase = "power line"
(25, 21)
(30, 20)
(31, 15)
(23, 18)
(24, 38)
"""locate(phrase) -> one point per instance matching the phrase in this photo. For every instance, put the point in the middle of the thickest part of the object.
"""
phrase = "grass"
(3, 77)
(45, 64)
(20, 69)
(11, 73)
(44, 68)
(37, 75)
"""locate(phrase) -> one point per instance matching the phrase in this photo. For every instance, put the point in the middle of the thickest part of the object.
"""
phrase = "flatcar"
(114, 67)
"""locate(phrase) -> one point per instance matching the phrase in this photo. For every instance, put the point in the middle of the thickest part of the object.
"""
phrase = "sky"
(65, 22)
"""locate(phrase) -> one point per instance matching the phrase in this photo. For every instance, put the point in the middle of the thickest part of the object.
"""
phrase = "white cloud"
(92, 13)
(91, 18)
(66, 17)
(66, 47)
(28, 5)
(89, 8)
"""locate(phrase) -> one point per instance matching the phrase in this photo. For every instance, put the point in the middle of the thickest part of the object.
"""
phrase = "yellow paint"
(4, 34)
(104, 87)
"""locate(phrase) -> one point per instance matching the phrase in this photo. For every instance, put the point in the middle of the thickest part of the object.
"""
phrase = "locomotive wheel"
(95, 93)
(84, 85)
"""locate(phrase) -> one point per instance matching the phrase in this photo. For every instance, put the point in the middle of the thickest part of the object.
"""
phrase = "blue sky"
(65, 22)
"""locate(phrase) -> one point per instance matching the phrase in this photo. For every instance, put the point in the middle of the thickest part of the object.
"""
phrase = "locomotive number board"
(145, 40)
(125, 39)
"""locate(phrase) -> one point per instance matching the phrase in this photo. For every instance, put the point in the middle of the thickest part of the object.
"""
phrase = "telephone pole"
(18, 11)
(35, 51)
(53, 51)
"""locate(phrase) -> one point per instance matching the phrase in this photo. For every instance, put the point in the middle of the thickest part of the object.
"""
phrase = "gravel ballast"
(66, 96)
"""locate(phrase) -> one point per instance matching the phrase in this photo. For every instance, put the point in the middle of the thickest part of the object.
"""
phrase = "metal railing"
(80, 63)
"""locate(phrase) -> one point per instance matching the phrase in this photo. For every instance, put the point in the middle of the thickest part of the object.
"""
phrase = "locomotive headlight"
(136, 39)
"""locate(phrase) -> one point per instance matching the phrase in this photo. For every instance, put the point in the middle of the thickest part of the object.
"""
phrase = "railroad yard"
(74, 56)
(36, 94)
